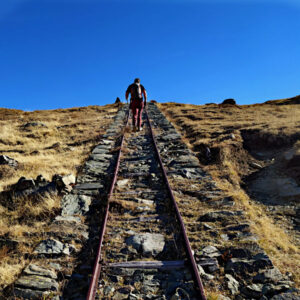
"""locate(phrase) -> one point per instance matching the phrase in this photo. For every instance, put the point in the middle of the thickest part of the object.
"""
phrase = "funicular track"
(142, 214)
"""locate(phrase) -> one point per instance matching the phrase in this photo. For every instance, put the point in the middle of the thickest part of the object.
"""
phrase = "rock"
(89, 186)
(242, 266)
(132, 296)
(286, 296)
(219, 215)
(50, 246)
(255, 165)
(24, 184)
(33, 269)
(253, 291)
(5, 160)
(65, 182)
(147, 243)
(71, 219)
(117, 100)
(29, 294)
(209, 264)
(240, 227)
(33, 124)
(224, 237)
(122, 183)
(203, 274)
(229, 101)
(119, 296)
(108, 290)
(232, 284)
(221, 297)
(40, 180)
(75, 204)
(36, 282)
(211, 251)
(271, 275)
(271, 289)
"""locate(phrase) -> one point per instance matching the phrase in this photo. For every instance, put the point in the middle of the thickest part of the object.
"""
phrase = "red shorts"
(137, 109)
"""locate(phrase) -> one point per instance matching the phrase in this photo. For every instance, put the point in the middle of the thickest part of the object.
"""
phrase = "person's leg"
(133, 109)
(140, 117)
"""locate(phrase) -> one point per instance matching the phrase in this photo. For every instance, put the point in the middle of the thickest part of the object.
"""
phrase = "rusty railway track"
(99, 263)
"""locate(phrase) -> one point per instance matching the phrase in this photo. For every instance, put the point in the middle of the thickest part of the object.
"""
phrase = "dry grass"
(213, 126)
(59, 146)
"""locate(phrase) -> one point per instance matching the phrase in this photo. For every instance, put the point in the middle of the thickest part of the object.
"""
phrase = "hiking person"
(137, 103)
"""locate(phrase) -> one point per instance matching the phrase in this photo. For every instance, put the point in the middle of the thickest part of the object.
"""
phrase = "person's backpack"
(136, 92)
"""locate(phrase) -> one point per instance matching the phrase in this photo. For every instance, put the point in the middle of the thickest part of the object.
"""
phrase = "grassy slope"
(219, 127)
(59, 147)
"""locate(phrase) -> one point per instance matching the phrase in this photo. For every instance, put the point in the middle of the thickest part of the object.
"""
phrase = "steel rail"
(186, 239)
(97, 266)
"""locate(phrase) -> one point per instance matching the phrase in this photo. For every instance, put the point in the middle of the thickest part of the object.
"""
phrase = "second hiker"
(137, 103)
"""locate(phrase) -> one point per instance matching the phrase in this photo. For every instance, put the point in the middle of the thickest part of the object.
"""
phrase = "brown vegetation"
(43, 142)
(233, 142)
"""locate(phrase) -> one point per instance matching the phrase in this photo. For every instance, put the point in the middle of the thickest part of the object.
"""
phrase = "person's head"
(137, 80)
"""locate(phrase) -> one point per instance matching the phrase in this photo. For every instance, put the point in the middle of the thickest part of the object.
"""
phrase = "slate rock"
(232, 284)
(50, 246)
(210, 265)
(219, 215)
(122, 183)
(33, 124)
(89, 186)
(33, 269)
(147, 243)
(271, 275)
(211, 251)
(286, 296)
(66, 182)
(75, 204)
(6, 160)
(242, 266)
(272, 289)
(253, 291)
(24, 293)
(36, 282)
(24, 184)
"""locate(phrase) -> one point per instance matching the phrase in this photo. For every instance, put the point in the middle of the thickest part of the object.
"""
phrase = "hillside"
(253, 153)
(45, 142)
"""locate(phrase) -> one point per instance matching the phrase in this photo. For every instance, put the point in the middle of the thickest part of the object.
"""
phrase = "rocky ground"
(231, 258)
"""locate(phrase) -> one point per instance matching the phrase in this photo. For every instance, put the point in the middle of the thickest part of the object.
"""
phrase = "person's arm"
(145, 96)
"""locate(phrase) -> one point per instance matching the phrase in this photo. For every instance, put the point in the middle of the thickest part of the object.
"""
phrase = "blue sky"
(66, 53)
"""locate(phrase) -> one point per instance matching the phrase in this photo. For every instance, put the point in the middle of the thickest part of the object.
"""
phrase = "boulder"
(229, 101)
(5, 160)
(150, 244)
(75, 204)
